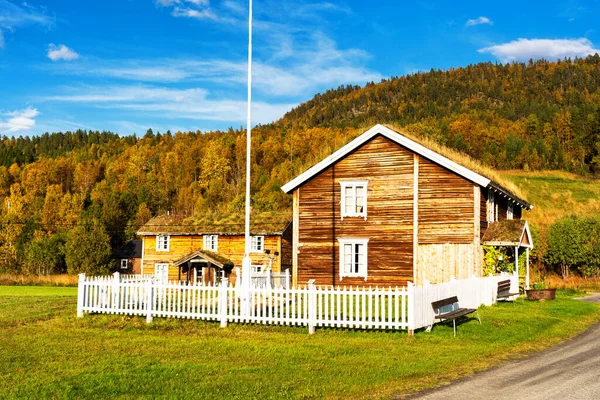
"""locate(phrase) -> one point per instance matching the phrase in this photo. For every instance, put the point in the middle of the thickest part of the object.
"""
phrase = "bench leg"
(454, 324)
(478, 317)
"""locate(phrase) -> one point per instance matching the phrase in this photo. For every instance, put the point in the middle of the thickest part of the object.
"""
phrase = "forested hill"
(67, 198)
(539, 115)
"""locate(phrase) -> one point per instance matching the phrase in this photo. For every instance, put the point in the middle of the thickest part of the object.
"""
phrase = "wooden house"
(385, 210)
(174, 249)
(129, 257)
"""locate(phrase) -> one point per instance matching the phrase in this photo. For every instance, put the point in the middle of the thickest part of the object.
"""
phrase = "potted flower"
(540, 291)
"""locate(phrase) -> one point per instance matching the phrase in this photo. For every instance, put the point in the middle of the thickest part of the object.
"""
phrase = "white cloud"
(13, 16)
(193, 104)
(199, 9)
(20, 120)
(479, 21)
(61, 52)
(550, 49)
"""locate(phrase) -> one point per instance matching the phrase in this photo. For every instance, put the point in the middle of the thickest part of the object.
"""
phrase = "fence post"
(115, 290)
(287, 278)
(269, 283)
(80, 293)
(312, 306)
(223, 301)
(411, 308)
(149, 286)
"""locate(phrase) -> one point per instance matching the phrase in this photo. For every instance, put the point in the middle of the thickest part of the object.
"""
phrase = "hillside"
(540, 115)
(532, 117)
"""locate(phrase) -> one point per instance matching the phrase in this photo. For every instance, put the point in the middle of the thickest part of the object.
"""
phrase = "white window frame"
(362, 269)
(124, 263)
(161, 272)
(257, 269)
(354, 185)
(211, 243)
(163, 246)
(491, 209)
(510, 214)
(257, 244)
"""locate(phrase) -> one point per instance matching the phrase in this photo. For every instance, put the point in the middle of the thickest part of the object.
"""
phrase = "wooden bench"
(454, 313)
(504, 290)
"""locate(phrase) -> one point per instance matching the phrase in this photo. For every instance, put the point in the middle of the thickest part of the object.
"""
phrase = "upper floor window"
(163, 242)
(354, 198)
(353, 258)
(124, 263)
(509, 211)
(491, 207)
(211, 242)
(257, 244)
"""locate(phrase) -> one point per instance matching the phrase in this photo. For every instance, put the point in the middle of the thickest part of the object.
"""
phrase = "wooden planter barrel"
(541, 294)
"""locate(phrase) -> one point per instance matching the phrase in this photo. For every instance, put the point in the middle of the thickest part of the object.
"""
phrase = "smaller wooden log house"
(385, 210)
(176, 249)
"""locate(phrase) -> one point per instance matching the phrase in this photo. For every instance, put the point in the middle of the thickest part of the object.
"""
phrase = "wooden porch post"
(517, 260)
(527, 265)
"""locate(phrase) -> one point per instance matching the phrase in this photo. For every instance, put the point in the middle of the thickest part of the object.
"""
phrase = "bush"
(573, 244)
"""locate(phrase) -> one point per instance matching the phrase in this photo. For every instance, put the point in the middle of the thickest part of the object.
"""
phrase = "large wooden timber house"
(384, 210)
(174, 249)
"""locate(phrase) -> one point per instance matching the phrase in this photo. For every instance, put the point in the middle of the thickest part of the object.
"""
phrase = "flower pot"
(541, 294)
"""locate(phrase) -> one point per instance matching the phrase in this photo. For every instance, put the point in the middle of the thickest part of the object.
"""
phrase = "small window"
(163, 242)
(211, 242)
(509, 211)
(124, 263)
(257, 244)
(257, 269)
(354, 199)
(491, 209)
(353, 258)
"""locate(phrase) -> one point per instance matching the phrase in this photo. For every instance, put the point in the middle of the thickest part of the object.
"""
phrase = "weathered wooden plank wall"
(389, 169)
(445, 206)
(439, 262)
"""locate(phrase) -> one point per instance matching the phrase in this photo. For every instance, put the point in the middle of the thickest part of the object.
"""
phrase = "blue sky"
(126, 65)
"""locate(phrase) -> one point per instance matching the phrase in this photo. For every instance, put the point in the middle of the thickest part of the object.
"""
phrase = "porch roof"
(514, 232)
(213, 258)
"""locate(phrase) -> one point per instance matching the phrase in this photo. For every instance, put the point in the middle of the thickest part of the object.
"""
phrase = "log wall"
(231, 247)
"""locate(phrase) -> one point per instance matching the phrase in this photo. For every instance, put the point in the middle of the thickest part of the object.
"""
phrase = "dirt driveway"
(568, 371)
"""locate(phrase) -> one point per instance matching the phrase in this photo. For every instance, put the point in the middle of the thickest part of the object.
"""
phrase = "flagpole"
(246, 262)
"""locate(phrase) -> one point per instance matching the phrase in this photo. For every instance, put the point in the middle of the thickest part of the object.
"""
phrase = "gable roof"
(410, 145)
(169, 224)
(213, 258)
(510, 232)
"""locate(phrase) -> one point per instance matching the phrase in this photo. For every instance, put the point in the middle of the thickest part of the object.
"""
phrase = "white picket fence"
(312, 306)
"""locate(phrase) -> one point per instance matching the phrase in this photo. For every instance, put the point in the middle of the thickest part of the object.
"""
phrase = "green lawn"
(45, 351)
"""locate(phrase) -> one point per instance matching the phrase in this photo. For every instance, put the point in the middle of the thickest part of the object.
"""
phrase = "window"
(354, 198)
(353, 258)
(163, 242)
(124, 263)
(509, 211)
(211, 242)
(257, 269)
(491, 207)
(257, 244)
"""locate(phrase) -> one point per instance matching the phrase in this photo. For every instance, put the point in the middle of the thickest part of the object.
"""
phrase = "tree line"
(56, 188)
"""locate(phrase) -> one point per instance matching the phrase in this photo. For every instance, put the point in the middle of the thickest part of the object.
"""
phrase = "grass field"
(555, 194)
(45, 351)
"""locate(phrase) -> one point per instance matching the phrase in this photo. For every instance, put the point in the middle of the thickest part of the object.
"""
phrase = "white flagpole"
(246, 263)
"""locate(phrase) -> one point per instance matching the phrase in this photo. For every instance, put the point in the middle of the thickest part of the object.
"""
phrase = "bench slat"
(455, 314)
(444, 302)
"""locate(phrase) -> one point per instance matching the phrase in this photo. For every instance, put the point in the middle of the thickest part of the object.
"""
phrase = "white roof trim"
(529, 238)
(395, 137)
